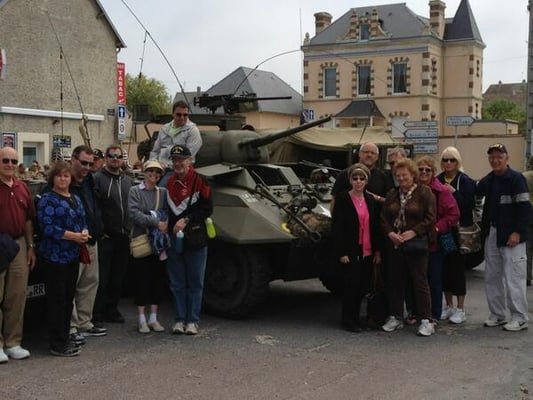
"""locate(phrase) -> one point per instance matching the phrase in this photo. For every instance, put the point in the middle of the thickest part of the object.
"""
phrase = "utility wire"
(160, 50)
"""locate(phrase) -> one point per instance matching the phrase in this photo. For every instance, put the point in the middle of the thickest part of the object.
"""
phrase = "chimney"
(436, 17)
(322, 21)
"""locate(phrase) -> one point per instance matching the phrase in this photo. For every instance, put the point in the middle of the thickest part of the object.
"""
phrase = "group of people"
(398, 231)
(85, 221)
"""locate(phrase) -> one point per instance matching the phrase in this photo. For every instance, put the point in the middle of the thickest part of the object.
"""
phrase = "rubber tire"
(236, 281)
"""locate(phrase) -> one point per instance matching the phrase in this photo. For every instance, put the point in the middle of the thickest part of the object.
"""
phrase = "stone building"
(59, 67)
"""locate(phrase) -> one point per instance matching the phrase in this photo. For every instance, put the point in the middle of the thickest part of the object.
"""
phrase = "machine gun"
(232, 104)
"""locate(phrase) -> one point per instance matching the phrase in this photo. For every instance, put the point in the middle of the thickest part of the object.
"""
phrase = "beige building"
(44, 92)
(385, 65)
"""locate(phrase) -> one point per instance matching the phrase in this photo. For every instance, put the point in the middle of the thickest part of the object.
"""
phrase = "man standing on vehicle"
(83, 185)
(18, 212)
(505, 228)
(112, 188)
(178, 131)
(378, 183)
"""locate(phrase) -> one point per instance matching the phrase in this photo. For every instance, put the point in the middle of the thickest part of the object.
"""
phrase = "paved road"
(294, 349)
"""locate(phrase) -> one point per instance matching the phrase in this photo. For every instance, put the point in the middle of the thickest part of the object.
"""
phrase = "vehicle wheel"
(236, 281)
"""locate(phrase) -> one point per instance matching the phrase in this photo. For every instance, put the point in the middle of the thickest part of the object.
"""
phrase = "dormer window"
(364, 31)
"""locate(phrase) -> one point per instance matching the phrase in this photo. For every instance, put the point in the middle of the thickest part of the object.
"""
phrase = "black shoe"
(351, 327)
(67, 351)
(77, 339)
(114, 317)
(94, 331)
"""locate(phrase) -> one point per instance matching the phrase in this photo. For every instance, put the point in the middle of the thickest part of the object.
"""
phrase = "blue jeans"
(186, 272)
(435, 283)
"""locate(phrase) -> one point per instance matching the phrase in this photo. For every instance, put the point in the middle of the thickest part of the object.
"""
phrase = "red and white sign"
(3, 63)
(121, 83)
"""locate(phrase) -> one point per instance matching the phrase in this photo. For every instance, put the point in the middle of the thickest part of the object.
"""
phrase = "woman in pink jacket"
(447, 218)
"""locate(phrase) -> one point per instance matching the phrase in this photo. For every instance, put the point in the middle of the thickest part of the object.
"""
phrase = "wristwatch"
(31, 245)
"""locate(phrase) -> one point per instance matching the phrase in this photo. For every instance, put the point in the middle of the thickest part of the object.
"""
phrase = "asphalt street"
(293, 349)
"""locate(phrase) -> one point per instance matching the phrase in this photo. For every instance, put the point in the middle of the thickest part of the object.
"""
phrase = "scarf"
(399, 222)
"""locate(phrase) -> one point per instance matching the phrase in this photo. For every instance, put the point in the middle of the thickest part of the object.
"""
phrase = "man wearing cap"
(112, 188)
(98, 161)
(505, 230)
(189, 203)
(178, 131)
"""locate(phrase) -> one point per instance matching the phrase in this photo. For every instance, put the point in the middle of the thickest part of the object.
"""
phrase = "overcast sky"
(205, 40)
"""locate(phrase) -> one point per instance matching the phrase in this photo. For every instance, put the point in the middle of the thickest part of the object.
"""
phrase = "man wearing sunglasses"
(505, 231)
(82, 185)
(112, 188)
(18, 211)
(178, 131)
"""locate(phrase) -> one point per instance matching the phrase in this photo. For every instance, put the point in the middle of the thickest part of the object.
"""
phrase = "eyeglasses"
(115, 156)
(181, 115)
(85, 163)
(448, 160)
(8, 160)
(358, 178)
(428, 170)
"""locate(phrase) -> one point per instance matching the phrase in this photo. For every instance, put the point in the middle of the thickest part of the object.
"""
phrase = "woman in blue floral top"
(63, 228)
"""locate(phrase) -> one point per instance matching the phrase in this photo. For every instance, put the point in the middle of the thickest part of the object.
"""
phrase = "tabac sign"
(121, 83)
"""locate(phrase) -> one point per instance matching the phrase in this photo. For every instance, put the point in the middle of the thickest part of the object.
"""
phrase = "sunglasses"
(358, 178)
(448, 160)
(85, 163)
(428, 170)
(8, 160)
(115, 156)
(154, 170)
(181, 115)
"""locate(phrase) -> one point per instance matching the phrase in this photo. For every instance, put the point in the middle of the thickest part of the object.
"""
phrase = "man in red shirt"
(18, 213)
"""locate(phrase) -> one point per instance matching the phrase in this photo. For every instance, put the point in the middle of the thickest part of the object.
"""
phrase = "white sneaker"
(143, 328)
(515, 326)
(191, 328)
(17, 353)
(447, 312)
(458, 316)
(494, 321)
(426, 328)
(178, 328)
(3, 357)
(392, 324)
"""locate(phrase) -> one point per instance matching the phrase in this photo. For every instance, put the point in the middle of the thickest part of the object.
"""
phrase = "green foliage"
(143, 90)
(505, 109)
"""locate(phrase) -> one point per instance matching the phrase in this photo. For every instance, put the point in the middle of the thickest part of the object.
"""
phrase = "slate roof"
(360, 108)
(515, 92)
(399, 21)
(264, 84)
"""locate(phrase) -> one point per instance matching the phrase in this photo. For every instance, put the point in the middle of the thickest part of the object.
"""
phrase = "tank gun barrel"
(263, 141)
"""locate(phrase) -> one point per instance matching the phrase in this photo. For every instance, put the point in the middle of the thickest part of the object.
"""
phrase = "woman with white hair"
(462, 188)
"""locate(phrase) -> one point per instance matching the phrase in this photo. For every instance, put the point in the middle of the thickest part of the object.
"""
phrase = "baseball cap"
(498, 147)
(152, 164)
(98, 153)
(180, 151)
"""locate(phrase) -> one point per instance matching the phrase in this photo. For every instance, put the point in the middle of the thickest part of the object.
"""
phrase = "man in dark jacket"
(86, 287)
(112, 187)
(505, 229)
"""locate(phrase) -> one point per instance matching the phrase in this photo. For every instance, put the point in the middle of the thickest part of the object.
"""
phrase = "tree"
(141, 90)
(505, 109)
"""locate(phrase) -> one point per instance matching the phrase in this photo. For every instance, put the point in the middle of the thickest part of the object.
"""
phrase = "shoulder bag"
(140, 246)
(195, 231)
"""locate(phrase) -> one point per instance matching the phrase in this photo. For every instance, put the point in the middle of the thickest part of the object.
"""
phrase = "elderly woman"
(355, 230)
(447, 217)
(407, 219)
(462, 187)
(64, 230)
(147, 207)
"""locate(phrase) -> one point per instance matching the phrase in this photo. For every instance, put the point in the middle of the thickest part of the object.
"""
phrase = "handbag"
(469, 239)
(140, 246)
(417, 245)
(447, 243)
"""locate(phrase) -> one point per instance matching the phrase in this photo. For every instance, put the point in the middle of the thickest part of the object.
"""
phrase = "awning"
(360, 109)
